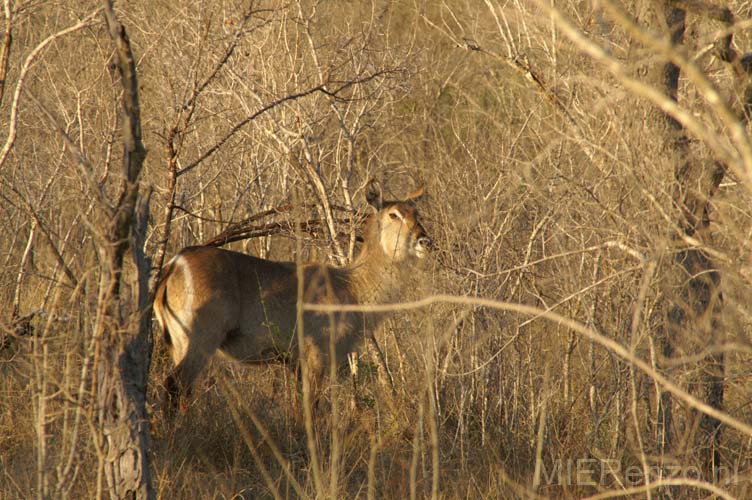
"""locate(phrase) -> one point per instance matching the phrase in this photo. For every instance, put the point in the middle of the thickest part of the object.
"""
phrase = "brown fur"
(211, 299)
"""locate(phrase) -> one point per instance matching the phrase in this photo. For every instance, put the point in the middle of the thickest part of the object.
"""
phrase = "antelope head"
(400, 235)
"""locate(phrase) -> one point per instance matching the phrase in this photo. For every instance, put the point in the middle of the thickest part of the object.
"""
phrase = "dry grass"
(550, 195)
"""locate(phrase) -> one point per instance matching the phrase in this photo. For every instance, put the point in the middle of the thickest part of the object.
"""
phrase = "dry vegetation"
(554, 184)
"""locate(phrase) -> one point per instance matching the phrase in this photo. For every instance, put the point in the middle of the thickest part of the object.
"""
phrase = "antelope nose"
(425, 242)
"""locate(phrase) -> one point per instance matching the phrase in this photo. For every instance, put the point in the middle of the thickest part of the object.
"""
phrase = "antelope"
(211, 299)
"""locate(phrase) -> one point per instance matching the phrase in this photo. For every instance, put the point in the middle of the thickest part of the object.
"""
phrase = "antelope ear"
(416, 195)
(374, 195)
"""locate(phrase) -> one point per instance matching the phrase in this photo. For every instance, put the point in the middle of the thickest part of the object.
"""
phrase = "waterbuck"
(210, 299)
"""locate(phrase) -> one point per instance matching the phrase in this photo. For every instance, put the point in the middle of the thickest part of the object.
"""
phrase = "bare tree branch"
(291, 97)
(12, 129)
(5, 52)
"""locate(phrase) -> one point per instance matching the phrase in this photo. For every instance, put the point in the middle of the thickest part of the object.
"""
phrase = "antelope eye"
(393, 216)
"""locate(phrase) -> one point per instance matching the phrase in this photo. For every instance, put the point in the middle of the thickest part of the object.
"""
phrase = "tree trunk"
(694, 298)
(125, 361)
